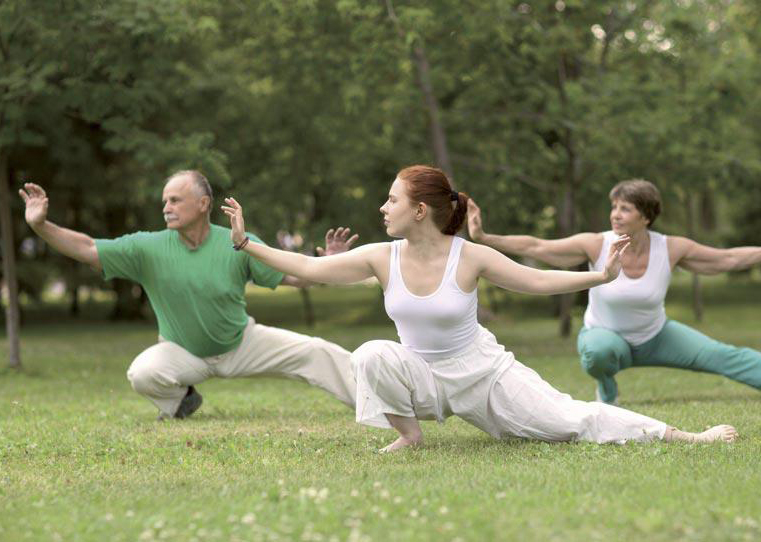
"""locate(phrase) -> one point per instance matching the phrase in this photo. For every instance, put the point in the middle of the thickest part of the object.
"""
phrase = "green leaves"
(293, 105)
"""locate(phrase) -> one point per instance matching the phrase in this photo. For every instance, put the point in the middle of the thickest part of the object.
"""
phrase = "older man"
(195, 282)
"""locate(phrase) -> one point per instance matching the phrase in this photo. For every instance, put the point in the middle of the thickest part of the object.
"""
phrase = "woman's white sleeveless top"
(435, 326)
(633, 308)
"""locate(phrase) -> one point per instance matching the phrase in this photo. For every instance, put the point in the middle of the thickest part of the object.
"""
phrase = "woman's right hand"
(613, 263)
(475, 228)
(237, 226)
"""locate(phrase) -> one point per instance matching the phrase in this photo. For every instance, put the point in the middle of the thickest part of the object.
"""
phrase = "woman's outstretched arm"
(352, 266)
(709, 260)
(565, 252)
(505, 273)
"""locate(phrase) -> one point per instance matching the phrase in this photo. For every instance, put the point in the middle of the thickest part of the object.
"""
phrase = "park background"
(305, 110)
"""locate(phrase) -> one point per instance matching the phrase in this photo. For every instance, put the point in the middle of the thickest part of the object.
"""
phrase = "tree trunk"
(306, 300)
(423, 72)
(571, 177)
(73, 290)
(697, 292)
(567, 224)
(9, 268)
(130, 298)
(438, 135)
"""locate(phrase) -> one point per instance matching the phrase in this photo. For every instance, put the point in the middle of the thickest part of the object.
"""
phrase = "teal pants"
(604, 353)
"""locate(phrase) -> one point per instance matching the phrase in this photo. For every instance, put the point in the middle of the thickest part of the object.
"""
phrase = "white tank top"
(435, 326)
(633, 308)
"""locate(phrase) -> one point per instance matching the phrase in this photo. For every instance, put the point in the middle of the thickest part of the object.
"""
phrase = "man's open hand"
(337, 241)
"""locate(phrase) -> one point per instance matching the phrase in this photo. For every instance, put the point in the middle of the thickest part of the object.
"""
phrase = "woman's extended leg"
(682, 347)
(524, 405)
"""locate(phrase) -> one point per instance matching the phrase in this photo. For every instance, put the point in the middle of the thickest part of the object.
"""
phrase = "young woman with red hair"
(446, 363)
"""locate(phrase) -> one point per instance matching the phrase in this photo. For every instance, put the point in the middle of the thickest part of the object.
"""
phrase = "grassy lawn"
(82, 457)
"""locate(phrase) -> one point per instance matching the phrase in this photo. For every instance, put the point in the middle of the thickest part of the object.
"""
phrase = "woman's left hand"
(237, 225)
(613, 263)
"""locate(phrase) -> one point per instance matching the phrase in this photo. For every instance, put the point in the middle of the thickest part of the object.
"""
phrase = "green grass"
(81, 457)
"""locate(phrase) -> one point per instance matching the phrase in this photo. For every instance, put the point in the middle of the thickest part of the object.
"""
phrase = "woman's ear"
(420, 211)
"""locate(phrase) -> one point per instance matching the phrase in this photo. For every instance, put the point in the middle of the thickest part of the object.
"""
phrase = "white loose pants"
(163, 372)
(487, 387)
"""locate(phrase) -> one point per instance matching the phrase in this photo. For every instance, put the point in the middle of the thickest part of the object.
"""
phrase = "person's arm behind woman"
(505, 273)
(567, 252)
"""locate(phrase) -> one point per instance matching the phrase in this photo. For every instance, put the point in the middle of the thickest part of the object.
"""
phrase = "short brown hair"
(642, 194)
(431, 186)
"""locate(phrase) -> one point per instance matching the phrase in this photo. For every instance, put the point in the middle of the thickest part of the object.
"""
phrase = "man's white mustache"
(168, 217)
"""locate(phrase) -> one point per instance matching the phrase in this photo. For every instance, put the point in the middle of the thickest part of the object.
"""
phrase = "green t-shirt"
(197, 295)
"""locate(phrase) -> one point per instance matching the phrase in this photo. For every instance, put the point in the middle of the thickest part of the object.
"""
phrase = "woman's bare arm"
(353, 266)
(505, 273)
(709, 260)
(566, 252)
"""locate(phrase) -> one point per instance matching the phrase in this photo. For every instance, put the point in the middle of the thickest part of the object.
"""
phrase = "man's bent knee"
(141, 375)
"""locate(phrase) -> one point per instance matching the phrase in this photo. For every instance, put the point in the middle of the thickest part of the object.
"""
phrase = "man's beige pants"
(163, 372)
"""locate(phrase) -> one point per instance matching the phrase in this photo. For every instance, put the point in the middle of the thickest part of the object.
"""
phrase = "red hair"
(431, 186)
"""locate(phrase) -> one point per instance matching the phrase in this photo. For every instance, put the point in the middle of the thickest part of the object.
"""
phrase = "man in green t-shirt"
(195, 282)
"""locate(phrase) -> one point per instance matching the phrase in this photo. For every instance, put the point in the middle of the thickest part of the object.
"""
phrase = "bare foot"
(724, 433)
(401, 442)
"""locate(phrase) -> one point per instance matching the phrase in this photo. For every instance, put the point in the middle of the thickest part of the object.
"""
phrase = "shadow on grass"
(467, 445)
(684, 399)
(23, 372)
(291, 417)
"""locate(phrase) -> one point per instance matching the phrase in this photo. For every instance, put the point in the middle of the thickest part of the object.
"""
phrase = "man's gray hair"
(203, 188)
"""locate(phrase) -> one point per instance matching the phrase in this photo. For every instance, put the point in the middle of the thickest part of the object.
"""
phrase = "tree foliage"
(306, 109)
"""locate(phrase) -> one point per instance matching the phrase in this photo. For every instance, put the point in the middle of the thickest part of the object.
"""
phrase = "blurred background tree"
(306, 109)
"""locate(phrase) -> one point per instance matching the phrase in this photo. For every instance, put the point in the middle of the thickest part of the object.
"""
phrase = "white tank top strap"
(661, 252)
(391, 262)
(450, 273)
(607, 238)
(394, 275)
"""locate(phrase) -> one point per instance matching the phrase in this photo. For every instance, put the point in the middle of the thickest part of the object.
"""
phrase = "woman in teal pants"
(625, 323)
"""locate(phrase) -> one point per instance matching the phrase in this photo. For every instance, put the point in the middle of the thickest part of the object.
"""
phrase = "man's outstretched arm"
(73, 244)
